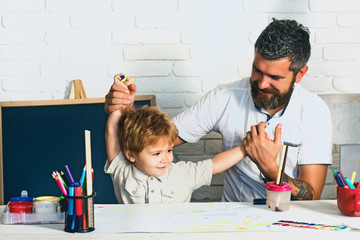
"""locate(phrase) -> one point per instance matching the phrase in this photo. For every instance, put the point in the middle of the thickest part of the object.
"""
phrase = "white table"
(321, 212)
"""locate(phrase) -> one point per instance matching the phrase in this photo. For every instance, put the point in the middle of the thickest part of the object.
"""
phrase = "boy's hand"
(120, 94)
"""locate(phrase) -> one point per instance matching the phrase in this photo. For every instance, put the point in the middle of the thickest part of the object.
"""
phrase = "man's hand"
(262, 150)
(120, 94)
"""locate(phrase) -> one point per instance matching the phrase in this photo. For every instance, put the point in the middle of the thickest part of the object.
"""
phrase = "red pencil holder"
(79, 216)
(348, 201)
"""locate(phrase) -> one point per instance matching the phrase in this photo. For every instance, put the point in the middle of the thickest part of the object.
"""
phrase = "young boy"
(139, 145)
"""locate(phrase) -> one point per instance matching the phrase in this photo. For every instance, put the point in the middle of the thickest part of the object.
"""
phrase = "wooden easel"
(77, 90)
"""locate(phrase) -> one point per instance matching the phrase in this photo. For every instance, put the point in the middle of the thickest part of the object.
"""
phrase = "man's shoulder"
(308, 96)
(311, 101)
(236, 88)
(241, 84)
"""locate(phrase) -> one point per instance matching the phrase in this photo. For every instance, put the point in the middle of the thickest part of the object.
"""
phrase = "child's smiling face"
(155, 158)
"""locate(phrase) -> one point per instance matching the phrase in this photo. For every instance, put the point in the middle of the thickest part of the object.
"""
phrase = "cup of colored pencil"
(348, 194)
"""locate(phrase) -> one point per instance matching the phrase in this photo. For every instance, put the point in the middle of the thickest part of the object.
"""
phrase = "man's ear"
(129, 155)
(301, 73)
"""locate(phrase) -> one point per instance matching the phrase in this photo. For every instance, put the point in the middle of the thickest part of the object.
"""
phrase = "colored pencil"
(349, 183)
(353, 175)
(82, 177)
(60, 183)
(65, 178)
(69, 173)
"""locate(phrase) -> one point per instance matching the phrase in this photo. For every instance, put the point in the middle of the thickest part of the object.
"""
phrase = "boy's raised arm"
(111, 135)
(227, 159)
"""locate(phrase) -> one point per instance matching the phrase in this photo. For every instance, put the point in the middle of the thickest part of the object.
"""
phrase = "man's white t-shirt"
(229, 110)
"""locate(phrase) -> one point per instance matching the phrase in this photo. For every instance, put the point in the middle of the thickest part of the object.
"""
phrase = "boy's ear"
(129, 155)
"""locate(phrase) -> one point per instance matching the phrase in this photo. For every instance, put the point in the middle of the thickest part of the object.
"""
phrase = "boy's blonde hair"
(144, 126)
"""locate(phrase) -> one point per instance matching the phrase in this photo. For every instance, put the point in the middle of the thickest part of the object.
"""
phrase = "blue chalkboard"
(42, 138)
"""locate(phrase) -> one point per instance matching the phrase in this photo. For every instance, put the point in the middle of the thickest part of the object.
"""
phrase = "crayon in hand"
(123, 78)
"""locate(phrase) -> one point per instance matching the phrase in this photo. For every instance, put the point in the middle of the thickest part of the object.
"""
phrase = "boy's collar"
(165, 175)
(139, 175)
(142, 177)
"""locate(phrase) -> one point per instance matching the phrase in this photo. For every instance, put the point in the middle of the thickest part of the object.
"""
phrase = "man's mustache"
(265, 90)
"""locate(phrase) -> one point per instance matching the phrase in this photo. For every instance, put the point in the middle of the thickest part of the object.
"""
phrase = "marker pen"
(78, 207)
(70, 217)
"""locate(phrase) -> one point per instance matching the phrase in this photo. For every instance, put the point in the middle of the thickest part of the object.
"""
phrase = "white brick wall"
(176, 49)
(193, 45)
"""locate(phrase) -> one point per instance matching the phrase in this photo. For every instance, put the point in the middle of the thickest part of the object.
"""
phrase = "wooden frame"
(150, 98)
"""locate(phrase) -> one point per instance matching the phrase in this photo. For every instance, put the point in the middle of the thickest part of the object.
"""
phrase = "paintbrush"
(282, 162)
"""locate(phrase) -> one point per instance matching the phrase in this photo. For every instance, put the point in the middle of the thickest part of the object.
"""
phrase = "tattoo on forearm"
(301, 189)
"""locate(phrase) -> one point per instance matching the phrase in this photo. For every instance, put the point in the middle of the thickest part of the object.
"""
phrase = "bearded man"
(261, 112)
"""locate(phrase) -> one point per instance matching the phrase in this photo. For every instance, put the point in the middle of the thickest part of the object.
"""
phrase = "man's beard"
(270, 101)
